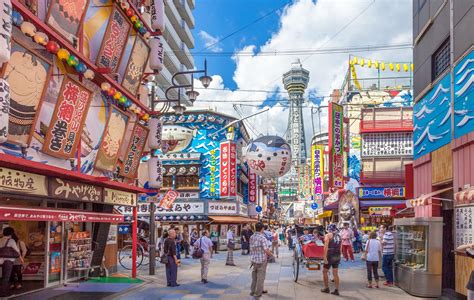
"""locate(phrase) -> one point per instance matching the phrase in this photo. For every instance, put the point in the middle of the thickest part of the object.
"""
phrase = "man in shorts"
(332, 258)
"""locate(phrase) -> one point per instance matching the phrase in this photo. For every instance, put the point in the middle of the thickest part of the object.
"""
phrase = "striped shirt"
(388, 243)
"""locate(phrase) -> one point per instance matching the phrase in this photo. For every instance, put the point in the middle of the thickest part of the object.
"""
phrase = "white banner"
(178, 208)
(156, 54)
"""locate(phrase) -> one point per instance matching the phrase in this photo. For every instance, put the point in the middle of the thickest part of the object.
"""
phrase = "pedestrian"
(244, 240)
(388, 244)
(365, 238)
(373, 250)
(185, 241)
(205, 244)
(289, 238)
(194, 236)
(9, 249)
(281, 236)
(169, 249)
(275, 243)
(215, 240)
(16, 278)
(332, 258)
(347, 235)
(248, 234)
(259, 254)
(179, 240)
(230, 246)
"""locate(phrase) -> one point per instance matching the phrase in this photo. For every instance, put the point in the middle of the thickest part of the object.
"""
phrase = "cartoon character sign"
(269, 156)
(348, 209)
(177, 138)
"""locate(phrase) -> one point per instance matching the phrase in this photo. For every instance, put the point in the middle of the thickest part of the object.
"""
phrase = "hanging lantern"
(63, 54)
(4, 109)
(89, 74)
(405, 67)
(143, 94)
(156, 54)
(155, 173)
(382, 66)
(397, 67)
(28, 28)
(369, 63)
(155, 128)
(5, 30)
(391, 66)
(41, 38)
(376, 64)
(52, 47)
(157, 11)
(17, 18)
(105, 86)
(362, 62)
(111, 92)
(355, 60)
(412, 66)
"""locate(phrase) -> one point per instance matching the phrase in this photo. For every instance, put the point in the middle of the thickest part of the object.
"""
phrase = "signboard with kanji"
(389, 192)
(228, 168)
(134, 153)
(68, 119)
(222, 208)
(317, 170)
(464, 227)
(336, 146)
(213, 172)
(167, 201)
(252, 186)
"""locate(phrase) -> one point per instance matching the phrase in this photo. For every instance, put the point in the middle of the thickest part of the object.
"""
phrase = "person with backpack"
(9, 252)
(203, 251)
(18, 263)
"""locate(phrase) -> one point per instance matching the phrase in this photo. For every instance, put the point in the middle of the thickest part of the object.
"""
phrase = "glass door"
(54, 253)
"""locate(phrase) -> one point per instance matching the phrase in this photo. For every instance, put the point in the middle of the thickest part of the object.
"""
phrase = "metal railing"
(382, 176)
(385, 125)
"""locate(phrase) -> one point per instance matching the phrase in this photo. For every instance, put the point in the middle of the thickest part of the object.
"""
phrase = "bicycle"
(125, 255)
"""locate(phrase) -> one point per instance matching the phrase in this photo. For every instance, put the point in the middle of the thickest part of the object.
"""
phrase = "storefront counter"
(464, 266)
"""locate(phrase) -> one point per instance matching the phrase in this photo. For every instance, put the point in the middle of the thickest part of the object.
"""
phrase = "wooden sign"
(65, 16)
(134, 153)
(66, 189)
(119, 197)
(68, 119)
(112, 139)
(115, 39)
(14, 181)
(136, 65)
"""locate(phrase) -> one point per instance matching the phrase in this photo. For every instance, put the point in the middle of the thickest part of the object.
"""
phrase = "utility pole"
(152, 240)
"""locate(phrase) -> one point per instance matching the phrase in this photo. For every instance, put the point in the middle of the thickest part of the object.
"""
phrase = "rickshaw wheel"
(296, 265)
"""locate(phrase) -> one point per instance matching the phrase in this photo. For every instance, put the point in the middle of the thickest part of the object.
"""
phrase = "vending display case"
(418, 254)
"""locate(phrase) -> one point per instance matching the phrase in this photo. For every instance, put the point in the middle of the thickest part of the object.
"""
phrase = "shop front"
(63, 223)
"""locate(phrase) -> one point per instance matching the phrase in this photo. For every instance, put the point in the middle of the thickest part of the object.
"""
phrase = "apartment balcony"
(185, 11)
(171, 36)
(367, 126)
(171, 62)
(185, 56)
(191, 4)
(172, 12)
(382, 177)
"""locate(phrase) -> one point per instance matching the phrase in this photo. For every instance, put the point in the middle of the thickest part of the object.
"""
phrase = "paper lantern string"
(392, 66)
(63, 54)
(135, 19)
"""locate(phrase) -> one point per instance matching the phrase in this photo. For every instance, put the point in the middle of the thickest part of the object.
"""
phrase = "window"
(440, 60)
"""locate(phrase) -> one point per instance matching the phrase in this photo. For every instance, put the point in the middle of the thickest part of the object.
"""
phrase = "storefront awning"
(41, 214)
(465, 196)
(423, 199)
(326, 214)
(231, 219)
(374, 203)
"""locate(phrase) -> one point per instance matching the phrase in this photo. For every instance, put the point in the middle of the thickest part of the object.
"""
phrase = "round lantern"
(269, 156)
(157, 11)
(156, 54)
(5, 30)
(4, 109)
(155, 127)
(155, 174)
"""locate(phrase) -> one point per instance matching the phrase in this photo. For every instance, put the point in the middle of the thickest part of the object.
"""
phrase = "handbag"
(8, 252)
(198, 252)
(231, 244)
(364, 255)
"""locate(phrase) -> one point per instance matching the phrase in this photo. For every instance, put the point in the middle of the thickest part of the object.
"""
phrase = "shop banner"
(228, 169)
(68, 119)
(222, 208)
(252, 186)
(304, 183)
(13, 181)
(39, 214)
(464, 229)
(65, 16)
(380, 211)
(119, 197)
(381, 192)
(336, 146)
(134, 151)
(213, 184)
(65, 189)
(136, 65)
(167, 201)
(177, 208)
(317, 170)
(114, 41)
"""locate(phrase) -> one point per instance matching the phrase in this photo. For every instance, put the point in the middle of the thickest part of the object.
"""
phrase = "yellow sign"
(119, 197)
(14, 181)
(326, 214)
(379, 211)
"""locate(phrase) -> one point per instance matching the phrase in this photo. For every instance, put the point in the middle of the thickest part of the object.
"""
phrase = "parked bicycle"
(125, 254)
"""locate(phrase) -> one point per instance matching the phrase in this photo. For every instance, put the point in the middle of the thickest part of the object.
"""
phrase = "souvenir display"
(269, 156)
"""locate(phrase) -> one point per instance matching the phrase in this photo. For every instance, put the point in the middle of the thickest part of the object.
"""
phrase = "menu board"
(464, 225)
(387, 144)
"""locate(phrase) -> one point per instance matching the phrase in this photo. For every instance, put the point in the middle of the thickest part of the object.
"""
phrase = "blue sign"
(258, 209)
(314, 206)
(432, 119)
(123, 229)
(381, 192)
(464, 96)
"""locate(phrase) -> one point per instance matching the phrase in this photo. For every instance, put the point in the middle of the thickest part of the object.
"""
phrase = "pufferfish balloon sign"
(269, 156)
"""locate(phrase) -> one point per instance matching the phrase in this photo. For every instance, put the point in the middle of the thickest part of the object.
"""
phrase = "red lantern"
(129, 12)
(111, 92)
(52, 47)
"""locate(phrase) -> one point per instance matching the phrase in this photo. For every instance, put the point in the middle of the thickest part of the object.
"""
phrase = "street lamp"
(190, 92)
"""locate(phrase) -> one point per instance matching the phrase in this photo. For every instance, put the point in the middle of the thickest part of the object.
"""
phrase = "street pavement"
(226, 282)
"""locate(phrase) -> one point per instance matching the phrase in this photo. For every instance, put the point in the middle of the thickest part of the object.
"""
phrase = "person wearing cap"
(332, 258)
(347, 235)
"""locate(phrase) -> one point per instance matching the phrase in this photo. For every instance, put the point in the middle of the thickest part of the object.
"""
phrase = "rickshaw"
(309, 254)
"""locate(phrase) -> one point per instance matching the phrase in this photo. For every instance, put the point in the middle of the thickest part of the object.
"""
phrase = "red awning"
(465, 196)
(423, 199)
(41, 214)
(17, 163)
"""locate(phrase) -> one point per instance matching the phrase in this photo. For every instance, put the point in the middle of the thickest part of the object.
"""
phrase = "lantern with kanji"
(269, 156)
(155, 173)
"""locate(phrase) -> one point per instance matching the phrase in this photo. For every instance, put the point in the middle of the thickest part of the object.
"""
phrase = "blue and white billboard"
(464, 96)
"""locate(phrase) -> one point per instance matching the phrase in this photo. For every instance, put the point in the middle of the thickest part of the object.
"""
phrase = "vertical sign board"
(252, 186)
(68, 119)
(317, 170)
(134, 153)
(228, 168)
(212, 169)
(336, 146)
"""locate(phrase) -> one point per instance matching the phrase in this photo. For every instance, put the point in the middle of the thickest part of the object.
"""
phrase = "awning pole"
(134, 242)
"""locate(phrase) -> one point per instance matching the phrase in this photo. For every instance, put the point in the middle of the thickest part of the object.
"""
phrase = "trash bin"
(470, 287)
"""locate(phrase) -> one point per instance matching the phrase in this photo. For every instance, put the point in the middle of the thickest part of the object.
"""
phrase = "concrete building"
(443, 141)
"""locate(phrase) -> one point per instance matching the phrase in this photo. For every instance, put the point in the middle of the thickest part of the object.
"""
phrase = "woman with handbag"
(372, 255)
(230, 247)
(9, 252)
(170, 260)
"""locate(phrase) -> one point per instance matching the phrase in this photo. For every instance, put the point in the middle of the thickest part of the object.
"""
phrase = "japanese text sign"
(68, 119)
(213, 170)
(134, 153)
(167, 201)
(317, 170)
(71, 190)
(222, 208)
(381, 192)
(22, 182)
(336, 146)
(228, 168)
(252, 186)
(464, 227)
(119, 197)
(380, 211)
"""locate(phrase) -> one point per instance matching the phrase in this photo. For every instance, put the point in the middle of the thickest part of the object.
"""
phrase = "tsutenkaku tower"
(295, 82)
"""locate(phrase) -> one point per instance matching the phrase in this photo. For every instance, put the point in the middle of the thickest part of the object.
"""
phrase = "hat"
(332, 228)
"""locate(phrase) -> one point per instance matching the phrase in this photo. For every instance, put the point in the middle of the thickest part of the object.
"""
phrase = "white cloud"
(307, 24)
(210, 42)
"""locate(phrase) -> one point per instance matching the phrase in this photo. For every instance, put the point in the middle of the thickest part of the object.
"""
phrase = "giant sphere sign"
(269, 156)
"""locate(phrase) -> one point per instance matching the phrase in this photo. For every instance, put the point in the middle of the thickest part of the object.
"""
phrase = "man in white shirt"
(6, 262)
(205, 244)
(230, 247)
